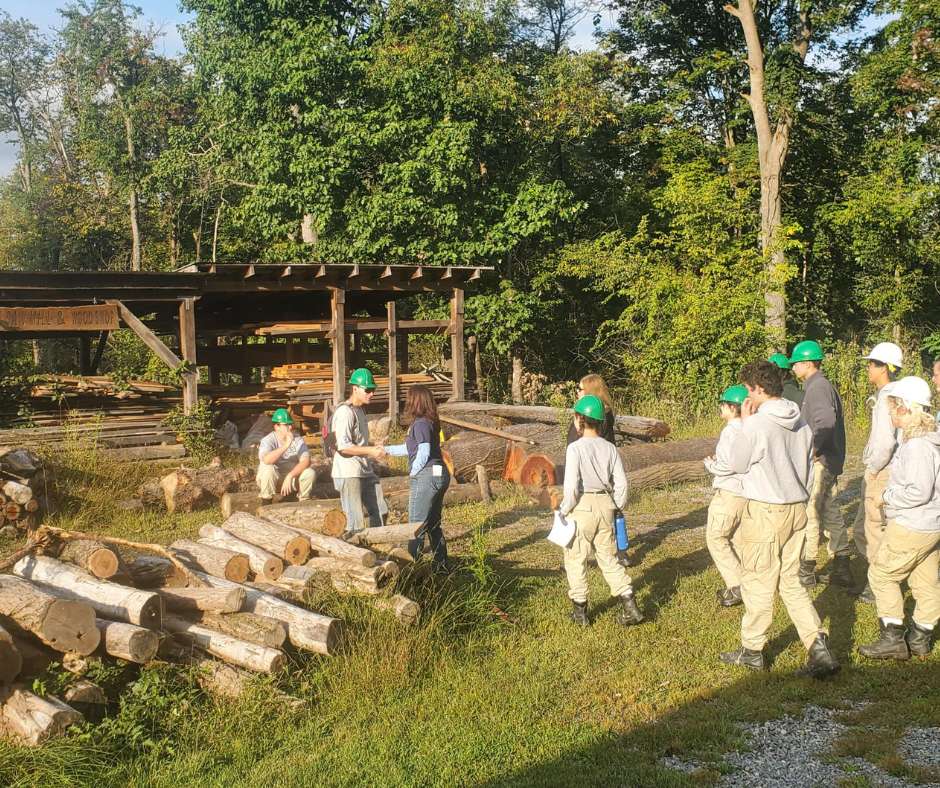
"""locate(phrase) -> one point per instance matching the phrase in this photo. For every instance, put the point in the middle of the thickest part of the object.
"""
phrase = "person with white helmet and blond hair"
(908, 548)
(884, 362)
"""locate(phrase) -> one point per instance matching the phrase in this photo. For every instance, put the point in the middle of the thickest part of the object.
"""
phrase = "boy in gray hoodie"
(773, 453)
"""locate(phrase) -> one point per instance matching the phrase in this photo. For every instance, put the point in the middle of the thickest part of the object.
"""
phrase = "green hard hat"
(735, 394)
(362, 377)
(807, 350)
(780, 360)
(281, 416)
(590, 406)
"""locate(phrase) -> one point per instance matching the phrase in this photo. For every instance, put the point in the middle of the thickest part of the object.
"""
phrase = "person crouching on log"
(727, 506)
(908, 548)
(429, 475)
(594, 384)
(595, 487)
(284, 461)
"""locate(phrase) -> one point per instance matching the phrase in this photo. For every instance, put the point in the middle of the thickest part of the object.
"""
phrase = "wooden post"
(403, 361)
(99, 352)
(338, 313)
(456, 344)
(84, 354)
(392, 334)
(188, 349)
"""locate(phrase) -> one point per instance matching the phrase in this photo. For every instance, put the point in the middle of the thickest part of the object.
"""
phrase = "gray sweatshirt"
(593, 465)
(912, 497)
(773, 452)
(822, 410)
(883, 438)
(720, 467)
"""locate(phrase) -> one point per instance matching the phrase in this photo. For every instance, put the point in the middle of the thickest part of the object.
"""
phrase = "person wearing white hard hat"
(908, 549)
(884, 362)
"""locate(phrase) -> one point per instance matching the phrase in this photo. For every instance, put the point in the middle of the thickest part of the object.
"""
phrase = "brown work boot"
(919, 640)
(890, 645)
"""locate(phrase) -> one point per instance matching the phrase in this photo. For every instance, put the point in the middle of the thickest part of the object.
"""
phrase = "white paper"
(562, 532)
(437, 470)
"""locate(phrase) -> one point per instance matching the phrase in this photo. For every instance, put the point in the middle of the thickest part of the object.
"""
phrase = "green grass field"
(494, 686)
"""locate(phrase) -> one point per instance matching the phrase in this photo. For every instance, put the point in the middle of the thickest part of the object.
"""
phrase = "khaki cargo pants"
(724, 518)
(870, 518)
(909, 555)
(824, 516)
(269, 481)
(771, 540)
(594, 532)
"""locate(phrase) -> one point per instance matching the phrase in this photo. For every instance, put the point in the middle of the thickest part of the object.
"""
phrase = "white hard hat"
(886, 353)
(912, 389)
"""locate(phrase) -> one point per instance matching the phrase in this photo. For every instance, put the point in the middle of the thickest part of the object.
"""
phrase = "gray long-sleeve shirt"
(883, 438)
(720, 467)
(593, 465)
(822, 410)
(912, 496)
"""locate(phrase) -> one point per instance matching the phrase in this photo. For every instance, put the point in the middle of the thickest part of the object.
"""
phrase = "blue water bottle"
(620, 529)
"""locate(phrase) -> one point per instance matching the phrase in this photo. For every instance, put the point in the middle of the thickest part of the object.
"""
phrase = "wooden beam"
(147, 336)
(188, 349)
(457, 345)
(392, 363)
(84, 354)
(338, 313)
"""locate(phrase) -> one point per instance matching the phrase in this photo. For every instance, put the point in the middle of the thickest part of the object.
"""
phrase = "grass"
(494, 686)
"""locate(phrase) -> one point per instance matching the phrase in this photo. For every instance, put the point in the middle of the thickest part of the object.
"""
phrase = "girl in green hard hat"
(595, 489)
(727, 505)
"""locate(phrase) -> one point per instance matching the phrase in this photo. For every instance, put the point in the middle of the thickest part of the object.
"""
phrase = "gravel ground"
(792, 751)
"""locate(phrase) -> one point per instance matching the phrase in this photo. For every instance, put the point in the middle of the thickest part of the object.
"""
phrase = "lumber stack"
(23, 497)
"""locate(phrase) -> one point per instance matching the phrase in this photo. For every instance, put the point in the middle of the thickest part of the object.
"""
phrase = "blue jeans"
(425, 504)
(355, 494)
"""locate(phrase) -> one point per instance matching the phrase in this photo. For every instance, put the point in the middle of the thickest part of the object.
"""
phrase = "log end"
(70, 626)
(537, 470)
(334, 523)
(273, 568)
(297, 550)
(151, 613)
(103, 563)
(237, 569)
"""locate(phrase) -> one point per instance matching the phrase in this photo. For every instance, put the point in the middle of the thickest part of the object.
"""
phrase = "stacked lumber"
(22, 487)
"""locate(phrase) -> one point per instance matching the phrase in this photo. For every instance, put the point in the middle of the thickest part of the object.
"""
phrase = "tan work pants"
(909, 555)
(724, 517)
(594, 532)
(772, 538)
(269, 481)
(824, 516)
(870, 518)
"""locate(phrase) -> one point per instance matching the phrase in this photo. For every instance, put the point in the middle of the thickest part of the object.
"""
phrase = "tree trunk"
(263, 630)
(516, 383)
(217, 561)
(127, 641)
(212, 600)
(264, 564)
(60, 624)
(338, 548)
(389, 534)
(237, 652)
(132, 200)
(324, 516)
(32, 719)
(284, 542)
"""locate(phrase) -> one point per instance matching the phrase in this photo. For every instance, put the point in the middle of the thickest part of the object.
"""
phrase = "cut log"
(33, 720)
(337, 548)
(263, 630)
(404, 609)
(127, 641)
(94, 557)
(323, 516)
(188, 490)
(264, 564)
(284, 542)
(305, 629)
(230, 682)
(84, 691)
(237, 652)
(149, 571)
(12, 511)
(389, 534)
(111, 600)
(215, 560)
(467, 449)
(302, 578)
(213, 600)
(17, 493)
(35, 657)
(151, 495)
(280, 592)
(61, 624)
(11, 663)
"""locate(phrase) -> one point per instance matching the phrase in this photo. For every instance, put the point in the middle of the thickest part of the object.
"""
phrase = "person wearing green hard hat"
(822, 410)
(791, 389)
(595, 492)
(354, 477)
(283, 461)
(727, 505)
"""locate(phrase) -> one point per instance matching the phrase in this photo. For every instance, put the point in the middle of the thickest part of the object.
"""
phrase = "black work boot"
(729, 597)
(579, 614)
(891, 644)
(919, 640)
(808, 574)
(866, 595)
(840, 573)
(745, 657)
(630, 614)
(820, 662)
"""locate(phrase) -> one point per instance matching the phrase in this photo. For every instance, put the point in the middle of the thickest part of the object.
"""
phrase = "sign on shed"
(99, 317)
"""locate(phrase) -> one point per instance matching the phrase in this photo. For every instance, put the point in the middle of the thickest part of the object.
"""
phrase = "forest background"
(708, 182)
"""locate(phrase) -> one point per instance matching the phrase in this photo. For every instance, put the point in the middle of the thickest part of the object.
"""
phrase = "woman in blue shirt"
(429, 476)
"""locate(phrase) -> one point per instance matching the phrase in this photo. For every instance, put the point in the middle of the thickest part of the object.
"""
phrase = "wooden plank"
(96, 317)
(456, 344)
(188, 349)
(392, 363)
(150, 339)
(338, 313)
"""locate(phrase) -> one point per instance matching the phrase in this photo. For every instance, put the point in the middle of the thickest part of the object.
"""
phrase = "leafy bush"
(195, 430)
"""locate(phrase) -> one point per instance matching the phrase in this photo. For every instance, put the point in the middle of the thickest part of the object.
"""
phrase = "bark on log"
(11, 663)
(237, 652)
(300, 578)
(148, 571)
(187, 490)
(323, 516)
(61, 624)
(218, 561)
(284, 542)
(264, 564)
(212, 600)
(111, 600)
(405, 610)
(389, 534)
(94, 557)
(338, 548)
(127, 641)
(467, 449)
(33, 720)
(305, 629)
(254, 628)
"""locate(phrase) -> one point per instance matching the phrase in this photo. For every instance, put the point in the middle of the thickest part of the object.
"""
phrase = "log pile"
(23, 497)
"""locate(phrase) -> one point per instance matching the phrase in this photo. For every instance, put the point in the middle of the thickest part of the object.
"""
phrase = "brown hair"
(594, 384)
(420, 404)
(763, 374)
